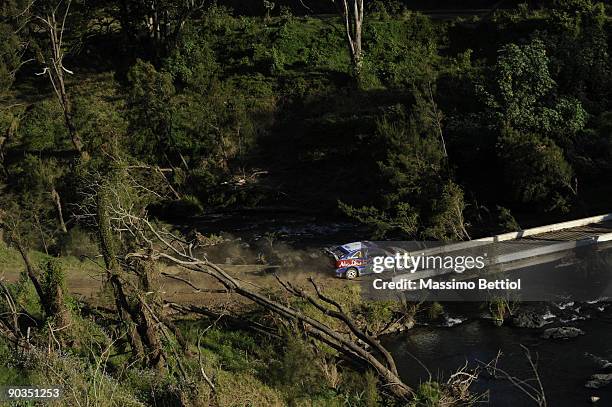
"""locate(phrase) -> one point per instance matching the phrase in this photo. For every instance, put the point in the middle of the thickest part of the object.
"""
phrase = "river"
(564, 365)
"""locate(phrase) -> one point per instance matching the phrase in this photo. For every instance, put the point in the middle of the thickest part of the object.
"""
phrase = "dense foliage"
(451, 128)
(240, 109)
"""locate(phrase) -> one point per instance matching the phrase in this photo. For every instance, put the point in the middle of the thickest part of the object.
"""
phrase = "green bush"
(428, 394)
(79, 243)
(536, 170)
(43, 128)
(193, 62)
(297, 371)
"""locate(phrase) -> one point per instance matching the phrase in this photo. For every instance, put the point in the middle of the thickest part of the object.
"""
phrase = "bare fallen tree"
(366, 348)
(120, 216)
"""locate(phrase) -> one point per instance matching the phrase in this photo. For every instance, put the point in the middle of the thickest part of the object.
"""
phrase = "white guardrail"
(504, 237)
(518, 255)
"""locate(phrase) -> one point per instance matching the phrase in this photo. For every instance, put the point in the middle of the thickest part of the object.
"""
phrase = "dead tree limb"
(13, 325)
(182, 256)
(55, 70)
(146, 242)
(58, 206)
(534, 391)
(202, 371)
(227, 318)
(340, 315)
(196, 288)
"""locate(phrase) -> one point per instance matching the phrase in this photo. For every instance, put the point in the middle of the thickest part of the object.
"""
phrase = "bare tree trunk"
(114, 272)
(352, 13)
(165, 21)
(58, 205)
(146, 334)
(55, 70)
(436, 117)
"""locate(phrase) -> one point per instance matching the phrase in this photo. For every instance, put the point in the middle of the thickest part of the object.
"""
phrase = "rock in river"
(564, 332)
(529, 319)
(599, 361)
(598, 381)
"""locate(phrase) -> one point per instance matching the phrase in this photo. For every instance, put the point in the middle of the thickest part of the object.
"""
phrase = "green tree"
(150, 112)
(12, 49)
(35, 186)
(417, 196)
(42, 127)
(537, 127)
(521, 81)
(522, 93)
(576, 36)
(403, 53)
(193, 62)
(10, 56)
(535, 169)
(161, 21)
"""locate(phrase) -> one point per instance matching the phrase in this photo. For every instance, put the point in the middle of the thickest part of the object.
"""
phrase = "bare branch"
(190, 284)
(536, 394)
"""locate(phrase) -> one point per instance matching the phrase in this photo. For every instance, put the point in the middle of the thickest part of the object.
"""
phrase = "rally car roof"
(354, 246)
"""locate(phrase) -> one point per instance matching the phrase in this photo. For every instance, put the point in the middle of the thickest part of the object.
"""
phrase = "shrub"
(435, 310)
(83, 383)
(79, 243)
(536, 170)
(297, 372)
(43, 128)
(428, 394)
(360, 389)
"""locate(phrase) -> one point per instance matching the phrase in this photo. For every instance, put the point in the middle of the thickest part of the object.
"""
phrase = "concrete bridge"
(523, 248)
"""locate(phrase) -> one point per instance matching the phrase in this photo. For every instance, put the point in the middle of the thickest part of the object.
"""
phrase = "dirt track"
(87, 282)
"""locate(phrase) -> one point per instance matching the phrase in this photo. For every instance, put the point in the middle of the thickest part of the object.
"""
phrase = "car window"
(356, 255)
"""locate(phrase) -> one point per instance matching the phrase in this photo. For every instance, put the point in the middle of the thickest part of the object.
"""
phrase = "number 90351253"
(8, 393)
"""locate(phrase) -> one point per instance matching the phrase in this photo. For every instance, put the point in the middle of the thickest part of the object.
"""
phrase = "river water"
(564, 365)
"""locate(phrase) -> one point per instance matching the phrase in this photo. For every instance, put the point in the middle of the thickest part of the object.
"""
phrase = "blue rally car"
(352, 260)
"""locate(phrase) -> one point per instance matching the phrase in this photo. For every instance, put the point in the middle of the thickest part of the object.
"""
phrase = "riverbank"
(564, 365)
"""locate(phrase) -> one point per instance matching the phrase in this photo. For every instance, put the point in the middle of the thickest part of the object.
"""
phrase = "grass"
(11, 264)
